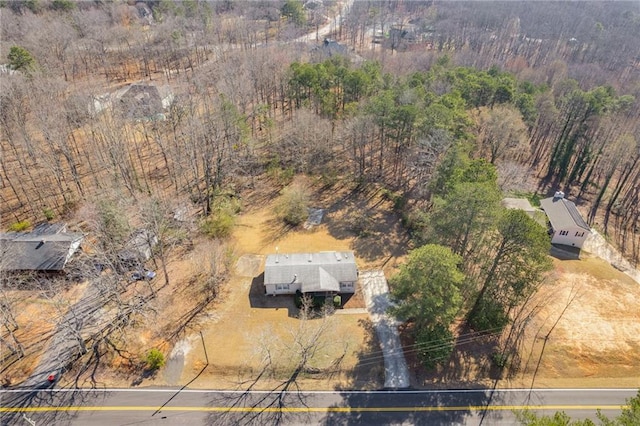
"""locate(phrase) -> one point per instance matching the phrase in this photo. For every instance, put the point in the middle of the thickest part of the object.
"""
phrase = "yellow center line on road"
(315, 409)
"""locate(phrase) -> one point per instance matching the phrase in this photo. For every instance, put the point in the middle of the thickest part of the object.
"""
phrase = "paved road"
(196, 407)
(332, 26)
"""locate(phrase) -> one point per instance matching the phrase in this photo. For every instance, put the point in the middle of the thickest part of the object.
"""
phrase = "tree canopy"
(20, 59)
(427, 292)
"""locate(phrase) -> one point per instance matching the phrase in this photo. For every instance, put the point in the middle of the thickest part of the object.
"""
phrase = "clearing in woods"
(595, 343)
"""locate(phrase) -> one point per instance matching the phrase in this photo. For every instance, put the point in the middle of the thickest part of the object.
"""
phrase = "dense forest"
(553, 99)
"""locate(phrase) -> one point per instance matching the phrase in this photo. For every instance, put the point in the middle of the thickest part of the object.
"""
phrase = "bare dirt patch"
(595, 343)
(599, 333)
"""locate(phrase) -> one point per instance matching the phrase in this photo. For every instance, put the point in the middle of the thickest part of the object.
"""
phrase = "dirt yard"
(246, 320)
(594, 343)
(597, 337)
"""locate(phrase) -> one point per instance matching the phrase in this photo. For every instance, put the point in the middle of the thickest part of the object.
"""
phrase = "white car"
(143, 275)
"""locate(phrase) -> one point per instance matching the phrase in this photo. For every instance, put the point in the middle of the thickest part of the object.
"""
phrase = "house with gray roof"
(47, 248)
(328, 272)
(138, 101)
(567, 225)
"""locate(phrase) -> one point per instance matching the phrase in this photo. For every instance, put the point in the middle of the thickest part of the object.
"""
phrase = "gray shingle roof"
(563, 213)
(315, 271)
(35, 251)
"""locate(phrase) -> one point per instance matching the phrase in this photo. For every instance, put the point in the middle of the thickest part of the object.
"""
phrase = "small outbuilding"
(139, 248)
(328, 272)
(567, 225)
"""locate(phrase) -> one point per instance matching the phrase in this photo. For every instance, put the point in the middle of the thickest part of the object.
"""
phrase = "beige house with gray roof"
(315, 273)
(567, 225)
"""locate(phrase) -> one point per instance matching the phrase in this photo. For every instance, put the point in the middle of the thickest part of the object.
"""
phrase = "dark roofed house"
(145, 101)
(567, 225)
(47, 248)
(136, 101)
(315, 273)
(328, 49)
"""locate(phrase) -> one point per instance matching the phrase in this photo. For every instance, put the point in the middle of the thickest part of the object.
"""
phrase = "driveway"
(376, 295)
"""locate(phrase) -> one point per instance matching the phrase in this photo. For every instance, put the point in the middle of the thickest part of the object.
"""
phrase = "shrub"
(396, 198)
(499, 359)
(293, 206)
(337, 301)
(218, 224)
(63, 5)
(282, 176)
(20, 226)
(329, 178)
(154, 359)
(48, 213)
(435, 344)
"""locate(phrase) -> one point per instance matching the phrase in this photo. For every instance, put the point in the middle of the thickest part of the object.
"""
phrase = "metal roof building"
(328, 271)
(47, 248)
(568, 226)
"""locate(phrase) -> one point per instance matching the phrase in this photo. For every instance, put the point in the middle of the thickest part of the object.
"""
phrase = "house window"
(579, 234)
(346, 284)
(282, 287)
(564, 233)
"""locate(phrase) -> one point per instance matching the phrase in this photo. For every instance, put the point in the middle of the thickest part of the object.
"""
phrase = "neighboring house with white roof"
(567, 225)
(314, 273)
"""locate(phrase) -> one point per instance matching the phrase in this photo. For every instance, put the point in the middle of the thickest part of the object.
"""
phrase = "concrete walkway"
(376, 295)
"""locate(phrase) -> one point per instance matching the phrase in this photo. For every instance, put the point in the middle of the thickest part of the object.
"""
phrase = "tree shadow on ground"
(274, 230)
(46, 396)
(144, 375)
(370, 218)
(368, 373)
(469, 365)
(426, 408)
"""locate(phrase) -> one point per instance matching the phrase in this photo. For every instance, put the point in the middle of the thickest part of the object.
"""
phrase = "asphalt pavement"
(155, 406)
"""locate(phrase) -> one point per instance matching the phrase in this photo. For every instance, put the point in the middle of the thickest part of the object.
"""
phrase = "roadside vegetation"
(630, 416)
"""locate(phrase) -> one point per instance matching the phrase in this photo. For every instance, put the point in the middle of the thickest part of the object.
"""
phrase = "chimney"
(310, 257)
(558, 195)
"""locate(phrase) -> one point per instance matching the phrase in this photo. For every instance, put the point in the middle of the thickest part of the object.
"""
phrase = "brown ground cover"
(595, 342)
